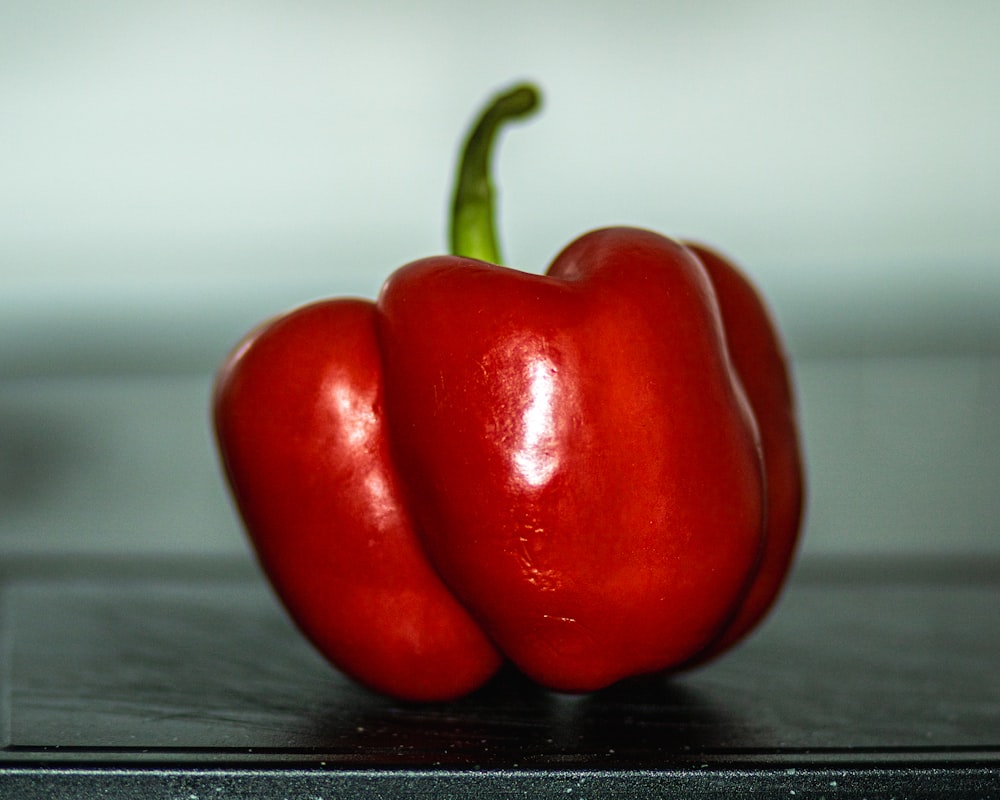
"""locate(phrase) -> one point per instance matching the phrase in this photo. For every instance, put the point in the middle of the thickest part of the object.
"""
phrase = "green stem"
(473, 223)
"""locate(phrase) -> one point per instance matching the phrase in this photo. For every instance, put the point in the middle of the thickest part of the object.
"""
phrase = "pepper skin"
(299, 418)
(582, 463)
(592, 473)
(759, 359)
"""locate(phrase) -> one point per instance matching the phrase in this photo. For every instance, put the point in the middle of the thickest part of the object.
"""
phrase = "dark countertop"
(185, 679)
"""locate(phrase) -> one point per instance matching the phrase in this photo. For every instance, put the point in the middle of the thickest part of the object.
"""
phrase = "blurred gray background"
(173, 172)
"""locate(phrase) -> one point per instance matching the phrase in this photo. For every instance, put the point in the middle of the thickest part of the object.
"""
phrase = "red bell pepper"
(593, 473)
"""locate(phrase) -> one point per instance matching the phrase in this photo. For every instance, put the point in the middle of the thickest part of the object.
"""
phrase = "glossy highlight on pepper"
(591, 473)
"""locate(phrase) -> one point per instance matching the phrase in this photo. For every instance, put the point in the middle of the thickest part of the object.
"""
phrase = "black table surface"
(186, 680)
